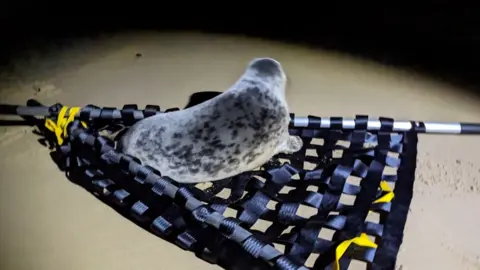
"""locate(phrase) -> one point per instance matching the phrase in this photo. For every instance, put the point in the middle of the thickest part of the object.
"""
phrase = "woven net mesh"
(298, 211)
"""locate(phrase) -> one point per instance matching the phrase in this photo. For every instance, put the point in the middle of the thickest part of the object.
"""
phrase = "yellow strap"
(361, 240)
(387, 197)
(60, 128)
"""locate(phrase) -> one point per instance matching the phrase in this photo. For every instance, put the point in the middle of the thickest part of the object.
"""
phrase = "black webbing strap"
(394, 223)
(353, 222)
(128, 115)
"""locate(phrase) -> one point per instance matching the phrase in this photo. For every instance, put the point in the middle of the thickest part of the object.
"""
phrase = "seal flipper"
(291, 145)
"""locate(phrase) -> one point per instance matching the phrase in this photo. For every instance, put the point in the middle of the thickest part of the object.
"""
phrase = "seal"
(236, 131)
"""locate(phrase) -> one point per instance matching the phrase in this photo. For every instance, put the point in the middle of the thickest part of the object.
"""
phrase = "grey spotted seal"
(236, 131)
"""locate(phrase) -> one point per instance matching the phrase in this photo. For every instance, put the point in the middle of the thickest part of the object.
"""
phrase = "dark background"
(441, 39)
(438, 38)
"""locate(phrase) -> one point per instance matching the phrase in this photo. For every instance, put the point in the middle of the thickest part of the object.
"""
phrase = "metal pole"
(398, 126)
(454, 128)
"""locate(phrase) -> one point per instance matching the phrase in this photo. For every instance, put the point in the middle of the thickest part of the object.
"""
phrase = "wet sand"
(50, 223)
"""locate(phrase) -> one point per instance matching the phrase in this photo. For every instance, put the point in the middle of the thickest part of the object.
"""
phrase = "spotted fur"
(236, 131)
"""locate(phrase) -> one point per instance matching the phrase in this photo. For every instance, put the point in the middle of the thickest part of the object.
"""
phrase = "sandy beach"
(49, 223)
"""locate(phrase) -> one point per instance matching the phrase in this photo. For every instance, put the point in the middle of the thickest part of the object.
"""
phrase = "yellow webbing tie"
(361, 240)
(60, 128)
(387, 197)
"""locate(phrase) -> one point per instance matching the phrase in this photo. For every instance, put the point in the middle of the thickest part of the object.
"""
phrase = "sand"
(49, 223)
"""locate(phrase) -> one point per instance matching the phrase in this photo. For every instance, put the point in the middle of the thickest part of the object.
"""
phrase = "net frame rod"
(453, 128)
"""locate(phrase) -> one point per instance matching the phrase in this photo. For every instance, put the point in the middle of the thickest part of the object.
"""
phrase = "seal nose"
(266, 66)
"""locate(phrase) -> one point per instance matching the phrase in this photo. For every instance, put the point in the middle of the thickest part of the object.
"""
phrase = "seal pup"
(236, 131)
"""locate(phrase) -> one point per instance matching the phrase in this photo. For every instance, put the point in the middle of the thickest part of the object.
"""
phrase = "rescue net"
(343, 198)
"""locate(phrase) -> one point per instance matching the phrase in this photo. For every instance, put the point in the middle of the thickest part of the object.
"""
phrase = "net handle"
(453, 128)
